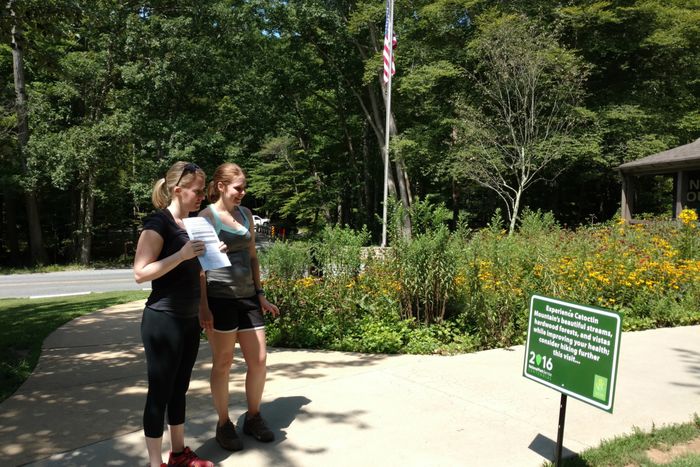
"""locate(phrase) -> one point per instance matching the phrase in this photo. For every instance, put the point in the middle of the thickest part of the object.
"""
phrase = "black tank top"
(177, 291)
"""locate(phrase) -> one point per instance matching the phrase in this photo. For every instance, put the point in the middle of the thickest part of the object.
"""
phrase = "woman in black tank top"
(170, 326)
(233, 307)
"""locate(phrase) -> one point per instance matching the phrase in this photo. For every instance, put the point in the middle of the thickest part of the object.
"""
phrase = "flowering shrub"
(451, 292)
(689, 218)
(634, 269)
(688, 243)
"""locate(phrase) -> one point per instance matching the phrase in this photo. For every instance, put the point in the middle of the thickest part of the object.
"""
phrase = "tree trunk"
(455, 202)
(11, 237)
(515, 210)
(373, 114)
(36, 244)
(378, 123)
(370, 200)
(522, 180)
(346, 214)
(87, 212)
(401, 176)
(398, 182)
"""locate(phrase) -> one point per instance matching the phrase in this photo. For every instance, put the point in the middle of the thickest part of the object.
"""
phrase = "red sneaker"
(188, 459)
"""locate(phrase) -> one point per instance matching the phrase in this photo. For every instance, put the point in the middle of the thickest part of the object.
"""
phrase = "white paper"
(198, 228)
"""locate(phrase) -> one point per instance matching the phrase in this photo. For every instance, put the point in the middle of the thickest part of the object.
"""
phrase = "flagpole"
(389, 33)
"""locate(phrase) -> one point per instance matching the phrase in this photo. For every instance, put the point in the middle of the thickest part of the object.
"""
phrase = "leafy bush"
(286, 260)
(446, 292)
(425, 265)
(338, 251)
(425, 268)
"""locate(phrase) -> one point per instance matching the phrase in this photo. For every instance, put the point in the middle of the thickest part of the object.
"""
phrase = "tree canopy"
(535, 102)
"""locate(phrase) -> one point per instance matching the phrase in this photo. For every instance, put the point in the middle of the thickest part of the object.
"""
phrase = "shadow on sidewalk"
(691, 359)
(279, 414)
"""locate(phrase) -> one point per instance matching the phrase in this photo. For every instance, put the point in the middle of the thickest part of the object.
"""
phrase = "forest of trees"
(501, 104)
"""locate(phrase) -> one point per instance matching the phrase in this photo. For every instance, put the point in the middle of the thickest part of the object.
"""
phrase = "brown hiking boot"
(255, 426)
(227, 437)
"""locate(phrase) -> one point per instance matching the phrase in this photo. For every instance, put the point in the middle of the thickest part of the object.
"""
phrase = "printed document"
(198, 228)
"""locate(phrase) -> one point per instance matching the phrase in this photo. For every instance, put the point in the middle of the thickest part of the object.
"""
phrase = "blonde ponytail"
(160, 195)
(180, 173)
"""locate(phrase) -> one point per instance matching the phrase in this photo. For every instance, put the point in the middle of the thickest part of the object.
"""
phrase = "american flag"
(389, 45)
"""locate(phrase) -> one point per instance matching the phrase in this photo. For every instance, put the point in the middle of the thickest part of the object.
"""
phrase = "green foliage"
(535, 224)
(423, 79)
(117, 93)
(528, 88)
(286, 260)
(282, 179)
(425, 264)
(443, 292)
(426, 269)
(381, 337)
(427, 215)
(338, 251)
(444, 338)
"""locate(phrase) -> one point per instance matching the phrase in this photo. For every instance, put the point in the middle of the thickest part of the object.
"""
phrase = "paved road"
(68, 283)
(78, 282)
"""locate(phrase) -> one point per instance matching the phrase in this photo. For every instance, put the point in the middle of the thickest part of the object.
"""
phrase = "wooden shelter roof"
(686, 157)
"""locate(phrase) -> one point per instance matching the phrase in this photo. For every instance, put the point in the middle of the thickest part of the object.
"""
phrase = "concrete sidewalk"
(82, 405)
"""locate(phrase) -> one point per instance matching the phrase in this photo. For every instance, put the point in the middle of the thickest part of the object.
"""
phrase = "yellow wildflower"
(689, 217)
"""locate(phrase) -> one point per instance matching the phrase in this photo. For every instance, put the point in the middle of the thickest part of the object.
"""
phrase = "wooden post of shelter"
(627, 202)
(680, 192)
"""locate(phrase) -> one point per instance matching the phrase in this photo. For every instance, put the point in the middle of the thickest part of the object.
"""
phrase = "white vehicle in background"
(260, 221)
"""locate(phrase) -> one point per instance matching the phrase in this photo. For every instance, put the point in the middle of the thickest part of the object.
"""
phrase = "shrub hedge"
(449, 292)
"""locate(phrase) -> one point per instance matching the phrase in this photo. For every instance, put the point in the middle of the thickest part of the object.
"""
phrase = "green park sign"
(574, 349)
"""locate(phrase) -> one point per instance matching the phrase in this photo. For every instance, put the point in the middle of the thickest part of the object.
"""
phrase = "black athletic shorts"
(236, 314)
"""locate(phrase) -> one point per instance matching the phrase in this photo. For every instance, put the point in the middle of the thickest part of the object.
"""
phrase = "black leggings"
(171, 346)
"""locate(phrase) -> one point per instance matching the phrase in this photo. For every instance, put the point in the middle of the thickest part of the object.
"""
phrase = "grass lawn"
(25, 323)
(669, 446)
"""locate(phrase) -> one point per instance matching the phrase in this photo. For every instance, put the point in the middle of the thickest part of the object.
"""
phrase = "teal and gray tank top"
(235, 281)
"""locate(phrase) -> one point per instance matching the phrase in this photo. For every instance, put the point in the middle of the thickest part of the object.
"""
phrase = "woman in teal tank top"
(232, 305)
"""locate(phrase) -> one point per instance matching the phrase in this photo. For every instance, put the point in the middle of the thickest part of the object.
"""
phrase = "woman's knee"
(257, 361)
(222, 362)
